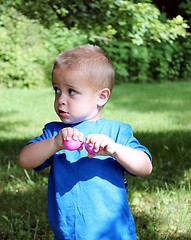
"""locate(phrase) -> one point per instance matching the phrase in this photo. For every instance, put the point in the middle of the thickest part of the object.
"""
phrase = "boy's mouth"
(63, 113)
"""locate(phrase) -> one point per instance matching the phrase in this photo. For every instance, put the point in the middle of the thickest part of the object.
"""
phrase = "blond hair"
(92, 60)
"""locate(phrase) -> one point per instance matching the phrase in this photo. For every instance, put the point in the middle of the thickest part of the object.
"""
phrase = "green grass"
(160, 115)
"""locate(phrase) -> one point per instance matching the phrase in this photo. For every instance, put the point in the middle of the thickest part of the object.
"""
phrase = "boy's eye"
(57, 90)
(72, 91)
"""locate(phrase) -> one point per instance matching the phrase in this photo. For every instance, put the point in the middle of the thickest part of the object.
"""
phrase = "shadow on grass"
(147, 232)
(171, 154)
(23, 196)
(24, 215)
(6, 127)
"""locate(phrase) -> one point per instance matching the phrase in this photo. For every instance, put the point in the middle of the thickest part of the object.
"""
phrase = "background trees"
(143, 44)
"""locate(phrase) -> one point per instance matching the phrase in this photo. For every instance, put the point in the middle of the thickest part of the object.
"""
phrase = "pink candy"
(76, 144)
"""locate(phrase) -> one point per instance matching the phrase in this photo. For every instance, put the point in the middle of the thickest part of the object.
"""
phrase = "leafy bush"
(142, 47)
(138, 42)
(131, 62)
(182, 59)
(22, 50)
(27, 49)
(153, 63)
(185, 6)
(122, 20)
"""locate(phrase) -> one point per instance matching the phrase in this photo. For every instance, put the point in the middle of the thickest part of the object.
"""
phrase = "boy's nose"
(62, 99)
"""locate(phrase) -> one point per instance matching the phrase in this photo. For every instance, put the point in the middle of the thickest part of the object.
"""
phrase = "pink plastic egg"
(89, 148)
(72, 144)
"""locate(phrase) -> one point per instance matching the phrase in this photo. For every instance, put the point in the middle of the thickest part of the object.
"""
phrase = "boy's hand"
(68, 134)
(102, 144)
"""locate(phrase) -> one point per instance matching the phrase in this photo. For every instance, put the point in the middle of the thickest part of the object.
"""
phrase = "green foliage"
(22, 50)
(61, 38)
(153, 63)
(28, 49)
(142, 47)
(186, 8)
(122, 20)
(131, 62)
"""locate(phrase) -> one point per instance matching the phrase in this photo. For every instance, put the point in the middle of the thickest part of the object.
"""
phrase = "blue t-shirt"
(87, 199)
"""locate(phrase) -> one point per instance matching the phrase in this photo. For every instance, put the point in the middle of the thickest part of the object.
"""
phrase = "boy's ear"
(103, 97)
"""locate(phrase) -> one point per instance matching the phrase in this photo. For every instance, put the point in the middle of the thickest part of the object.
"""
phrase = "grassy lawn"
(160, 115)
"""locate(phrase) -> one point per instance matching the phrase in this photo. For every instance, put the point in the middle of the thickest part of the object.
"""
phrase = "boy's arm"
(133, 160)
(34, 154)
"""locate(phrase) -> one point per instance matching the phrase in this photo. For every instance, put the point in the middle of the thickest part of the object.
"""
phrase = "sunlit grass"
(160, 116)
(152, 108)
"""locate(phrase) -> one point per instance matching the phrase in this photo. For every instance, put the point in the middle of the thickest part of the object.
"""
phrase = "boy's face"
(75, 100)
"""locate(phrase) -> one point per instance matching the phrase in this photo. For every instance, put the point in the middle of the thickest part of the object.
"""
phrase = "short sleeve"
(128, 139)
(49, 130)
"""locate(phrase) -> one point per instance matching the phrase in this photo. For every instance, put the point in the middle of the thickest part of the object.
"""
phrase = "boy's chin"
(71, 121)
